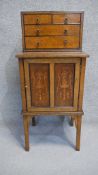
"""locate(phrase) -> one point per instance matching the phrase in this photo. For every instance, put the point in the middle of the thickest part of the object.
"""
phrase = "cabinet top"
(51, 55)
(50, 12)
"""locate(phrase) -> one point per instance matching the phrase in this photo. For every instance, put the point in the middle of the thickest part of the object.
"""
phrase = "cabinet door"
(52, 84)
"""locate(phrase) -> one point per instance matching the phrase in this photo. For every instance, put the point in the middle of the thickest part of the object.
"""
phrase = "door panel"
(64, 84)
(39, 84)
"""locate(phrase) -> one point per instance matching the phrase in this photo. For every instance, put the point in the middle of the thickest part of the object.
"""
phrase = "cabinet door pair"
(52, 84)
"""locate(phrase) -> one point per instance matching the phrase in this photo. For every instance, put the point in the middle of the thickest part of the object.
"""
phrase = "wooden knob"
(26, 86)
(65, 32)
(37, 45)
(37, 32)
(65, 21)
(37, 21)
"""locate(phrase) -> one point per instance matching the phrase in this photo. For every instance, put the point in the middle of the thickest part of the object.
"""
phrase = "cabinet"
(52, 77)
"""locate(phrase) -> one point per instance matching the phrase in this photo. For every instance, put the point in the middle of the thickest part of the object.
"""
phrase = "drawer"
(66, 18)
(36, 30)
(51, 42)
(37, 19)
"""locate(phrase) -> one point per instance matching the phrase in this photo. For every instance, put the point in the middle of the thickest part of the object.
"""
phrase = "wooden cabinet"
(52, 79)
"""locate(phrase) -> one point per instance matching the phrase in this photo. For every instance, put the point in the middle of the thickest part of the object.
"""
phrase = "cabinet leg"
(26, 132)
(33, 121)
(78, 132)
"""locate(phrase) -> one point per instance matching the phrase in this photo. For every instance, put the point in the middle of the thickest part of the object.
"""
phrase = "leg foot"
(71, 122)
(33, 121)
(26, 149)
(78, 132)
(26, 132)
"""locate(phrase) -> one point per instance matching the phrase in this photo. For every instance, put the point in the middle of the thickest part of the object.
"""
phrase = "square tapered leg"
(26, 132)
(78, 132)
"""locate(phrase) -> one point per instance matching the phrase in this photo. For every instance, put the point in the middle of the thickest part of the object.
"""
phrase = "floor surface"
(52, 149)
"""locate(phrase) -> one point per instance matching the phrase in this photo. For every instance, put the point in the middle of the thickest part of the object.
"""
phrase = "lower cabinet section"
(52, 84)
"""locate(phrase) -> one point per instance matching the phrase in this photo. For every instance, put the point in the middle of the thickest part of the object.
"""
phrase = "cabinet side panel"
(22, 83)
(81, 87)
(64, 84)
(39, 84)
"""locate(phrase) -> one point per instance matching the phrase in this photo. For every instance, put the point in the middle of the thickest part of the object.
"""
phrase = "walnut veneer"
(52, 67)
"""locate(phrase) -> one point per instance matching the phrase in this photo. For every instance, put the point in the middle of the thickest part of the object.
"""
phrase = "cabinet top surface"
(51, 54)
(54, 12)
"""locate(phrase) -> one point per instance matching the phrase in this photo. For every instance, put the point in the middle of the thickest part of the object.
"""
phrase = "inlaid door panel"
(39, 84)
(64, 84)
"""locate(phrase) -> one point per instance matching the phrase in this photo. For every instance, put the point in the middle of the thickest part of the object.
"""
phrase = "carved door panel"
(52, 84)
(39, 84)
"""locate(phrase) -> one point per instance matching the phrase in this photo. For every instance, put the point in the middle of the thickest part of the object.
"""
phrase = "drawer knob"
(37, 32)
(65, 32)
(37, 45)
(65, 42)
(65, 21)
(37, 21)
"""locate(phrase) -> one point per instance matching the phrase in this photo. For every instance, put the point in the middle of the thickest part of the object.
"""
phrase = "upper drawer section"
(48, 27)
(37, 19)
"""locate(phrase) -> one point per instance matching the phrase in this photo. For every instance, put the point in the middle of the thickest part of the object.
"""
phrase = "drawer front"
(37, 19)
(51, 42)
(42, 30)
(66, 18)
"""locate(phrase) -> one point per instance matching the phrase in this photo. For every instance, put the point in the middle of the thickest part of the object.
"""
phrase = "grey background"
(48, 141)
(10, 44)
